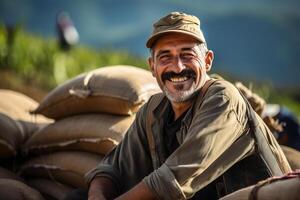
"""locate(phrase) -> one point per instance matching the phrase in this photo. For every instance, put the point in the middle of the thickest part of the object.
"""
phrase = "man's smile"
(178, 77)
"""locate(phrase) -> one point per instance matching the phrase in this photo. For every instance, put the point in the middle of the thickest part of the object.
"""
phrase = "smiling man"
(194, 140)
(179, 64)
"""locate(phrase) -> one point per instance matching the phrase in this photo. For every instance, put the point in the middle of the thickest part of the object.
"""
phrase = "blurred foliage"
(40, 61)
(284, 97)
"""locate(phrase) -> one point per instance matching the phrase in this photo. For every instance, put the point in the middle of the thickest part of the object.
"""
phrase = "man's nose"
(178, 65)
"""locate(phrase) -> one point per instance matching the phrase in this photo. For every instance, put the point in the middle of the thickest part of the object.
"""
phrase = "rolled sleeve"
(164, 184)
(103, 170)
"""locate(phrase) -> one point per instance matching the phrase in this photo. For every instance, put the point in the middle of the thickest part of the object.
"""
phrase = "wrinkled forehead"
(174, 41)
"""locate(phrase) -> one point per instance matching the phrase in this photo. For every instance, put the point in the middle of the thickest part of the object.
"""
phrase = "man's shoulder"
(152, 103)
(223, 87)
(159, 95)
(222, 92)
(155, 99)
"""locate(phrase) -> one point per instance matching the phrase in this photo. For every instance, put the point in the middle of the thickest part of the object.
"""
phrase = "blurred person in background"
(281, 121)
(67, 33)
(193, 141)
(289, 135)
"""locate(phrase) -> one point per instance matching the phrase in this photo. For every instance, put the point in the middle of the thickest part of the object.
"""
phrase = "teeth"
(178, 79)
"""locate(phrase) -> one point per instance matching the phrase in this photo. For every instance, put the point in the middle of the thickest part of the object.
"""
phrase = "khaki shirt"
(213, 137)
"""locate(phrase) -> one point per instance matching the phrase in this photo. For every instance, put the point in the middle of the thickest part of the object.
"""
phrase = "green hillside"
(40, 61)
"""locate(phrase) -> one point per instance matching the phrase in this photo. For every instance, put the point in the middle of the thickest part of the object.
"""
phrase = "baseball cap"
(176, 22)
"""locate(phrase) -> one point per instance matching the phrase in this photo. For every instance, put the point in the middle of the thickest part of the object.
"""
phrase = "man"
(192, 141)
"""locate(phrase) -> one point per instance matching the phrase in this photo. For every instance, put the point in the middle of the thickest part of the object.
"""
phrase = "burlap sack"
(29, 128)
(10, 136)
(13, 134)
(293, 157)
(16, 190)
(18, 106)
(5, 173)
(65, 167)
(281, 189)
(115, 89)
(49, 189)
(97, 133)
(242, 194)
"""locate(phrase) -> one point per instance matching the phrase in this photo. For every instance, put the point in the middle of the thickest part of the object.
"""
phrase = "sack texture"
(293, 156)
(18, 106)
(13, 134)
(16, 190)
(49, 189)
(10, 136)
(280, 188)
(65, 167)
(5, 173)
(97, 133)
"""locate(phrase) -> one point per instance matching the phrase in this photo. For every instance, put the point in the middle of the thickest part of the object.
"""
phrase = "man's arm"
(125, 166)
(101, 188)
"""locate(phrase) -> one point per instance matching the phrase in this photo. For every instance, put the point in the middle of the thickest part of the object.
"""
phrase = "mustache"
(184, 73)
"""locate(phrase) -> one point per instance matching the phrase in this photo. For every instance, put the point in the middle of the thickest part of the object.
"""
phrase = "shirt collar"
(162, 107)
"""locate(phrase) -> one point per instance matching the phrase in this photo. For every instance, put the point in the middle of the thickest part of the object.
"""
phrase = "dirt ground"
(11, 81)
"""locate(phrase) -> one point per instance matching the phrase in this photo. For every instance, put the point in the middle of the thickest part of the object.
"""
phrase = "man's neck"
(180, 108)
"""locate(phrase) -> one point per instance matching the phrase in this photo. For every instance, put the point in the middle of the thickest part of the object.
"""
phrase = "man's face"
(179, 66)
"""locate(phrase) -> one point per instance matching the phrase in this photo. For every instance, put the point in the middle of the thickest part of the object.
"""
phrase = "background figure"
(67, 34)
(281, 121)
(290, 134)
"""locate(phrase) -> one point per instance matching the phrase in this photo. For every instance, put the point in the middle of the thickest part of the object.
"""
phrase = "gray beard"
(181, 95)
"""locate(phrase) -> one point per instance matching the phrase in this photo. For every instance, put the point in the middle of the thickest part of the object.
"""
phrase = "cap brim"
(155, 37)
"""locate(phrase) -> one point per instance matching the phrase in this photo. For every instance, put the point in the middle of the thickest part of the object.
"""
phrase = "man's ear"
(209, 57)
(151, 65)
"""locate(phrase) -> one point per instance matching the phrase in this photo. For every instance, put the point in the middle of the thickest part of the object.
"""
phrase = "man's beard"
(180, 95)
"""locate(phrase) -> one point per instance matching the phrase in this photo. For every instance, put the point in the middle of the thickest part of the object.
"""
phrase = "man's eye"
(164, 57)
(187, 55)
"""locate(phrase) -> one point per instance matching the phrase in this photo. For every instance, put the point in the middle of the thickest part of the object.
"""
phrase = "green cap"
(176, 22)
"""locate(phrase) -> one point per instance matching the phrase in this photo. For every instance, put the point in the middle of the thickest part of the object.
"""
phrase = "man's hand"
(101, 188)
(140, 192)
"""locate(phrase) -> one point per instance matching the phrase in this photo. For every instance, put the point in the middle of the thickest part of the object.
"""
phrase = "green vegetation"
(289, 98)
(33, 60)
(40, 61)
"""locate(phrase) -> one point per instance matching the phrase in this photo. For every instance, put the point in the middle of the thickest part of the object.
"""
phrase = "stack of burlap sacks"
(91, 113)
(16, 126)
